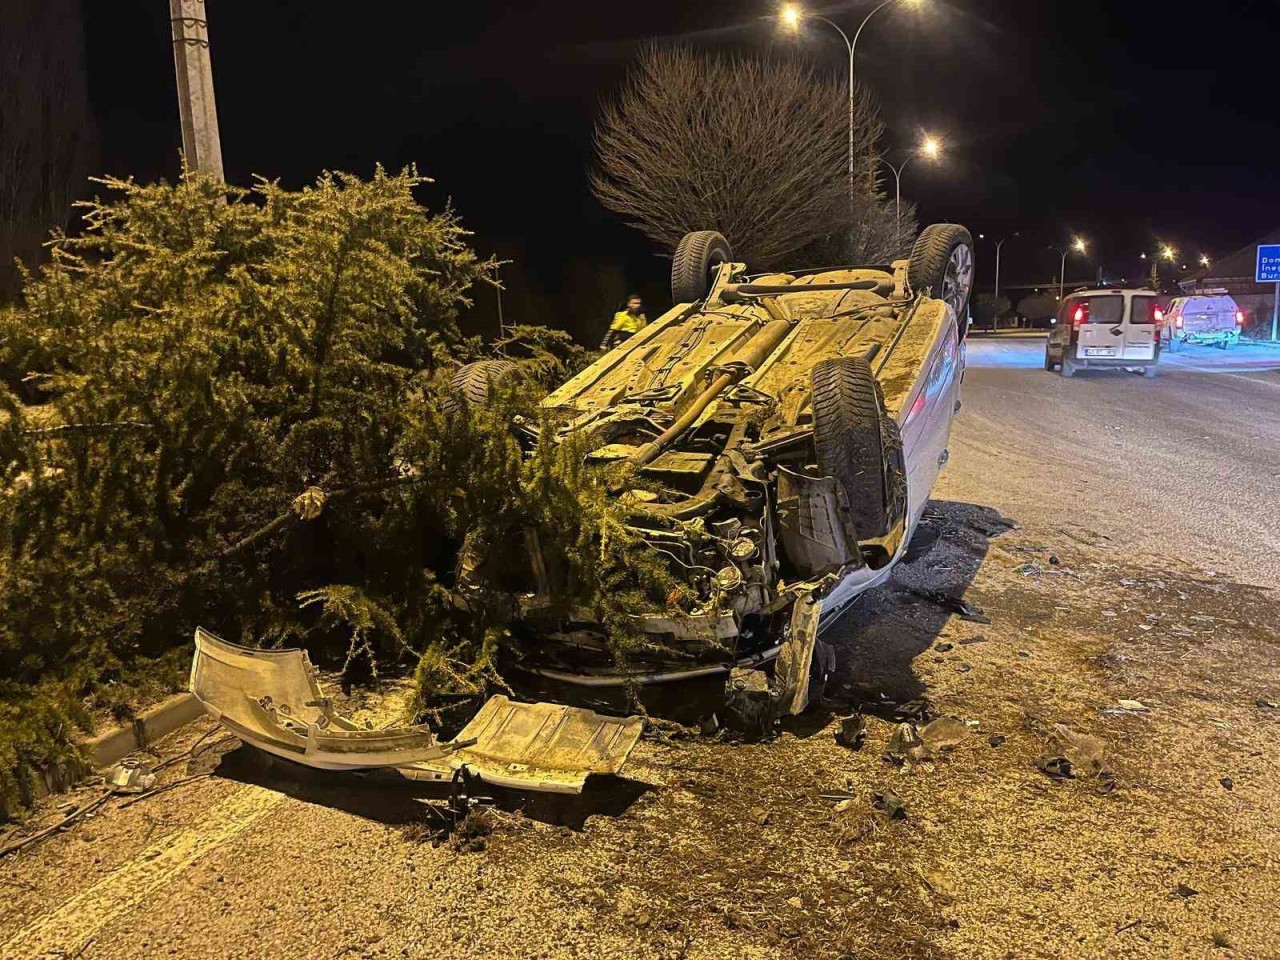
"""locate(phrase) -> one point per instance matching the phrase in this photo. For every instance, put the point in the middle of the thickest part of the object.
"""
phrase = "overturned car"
(784, 431)
(781, 434)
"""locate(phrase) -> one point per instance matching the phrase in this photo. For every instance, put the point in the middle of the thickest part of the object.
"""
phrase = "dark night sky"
(1113, 119)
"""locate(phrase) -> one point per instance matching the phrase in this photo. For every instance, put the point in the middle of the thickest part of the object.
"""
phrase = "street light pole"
(792, 16)
(201, 145)
(930, 148)
(897, 187)
(1077, 245)
(999, 244)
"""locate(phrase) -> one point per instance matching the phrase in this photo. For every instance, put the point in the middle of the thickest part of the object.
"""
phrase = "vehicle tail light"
(1081, 313)
(1177, 321)
(1239, 318)
(1157, 315)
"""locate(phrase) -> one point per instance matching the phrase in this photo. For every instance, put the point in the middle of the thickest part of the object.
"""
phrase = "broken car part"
(271, 700)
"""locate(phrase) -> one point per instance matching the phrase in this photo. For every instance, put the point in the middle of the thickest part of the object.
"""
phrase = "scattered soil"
(711, 848)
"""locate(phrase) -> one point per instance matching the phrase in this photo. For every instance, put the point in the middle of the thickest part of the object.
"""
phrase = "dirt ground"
(1168, 847)
(717, 849)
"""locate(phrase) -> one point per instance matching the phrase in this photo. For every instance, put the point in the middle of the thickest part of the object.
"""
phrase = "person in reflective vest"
(625, 323)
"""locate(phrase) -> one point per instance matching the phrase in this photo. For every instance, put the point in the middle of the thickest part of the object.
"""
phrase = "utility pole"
(200, 143)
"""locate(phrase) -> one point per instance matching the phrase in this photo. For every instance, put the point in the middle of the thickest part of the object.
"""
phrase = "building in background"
(1234, 275)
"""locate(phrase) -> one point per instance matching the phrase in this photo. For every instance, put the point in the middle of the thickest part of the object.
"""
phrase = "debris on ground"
(889, 803)
(1125, 707)
(1228, 783)
(130, 776)
(1070, 753)
(473, 830)
(957, 605)
(1266, 704)
(966, 641)
(852, 732)
(1186, 892)
(942, 646)
(905, 744)
(749, 705)
(919, 710)
(945, 733)
(996, 739)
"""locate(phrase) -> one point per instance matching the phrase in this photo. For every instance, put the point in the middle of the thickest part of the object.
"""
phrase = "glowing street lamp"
(1204, 259)
(1164, 252)
(1077, 246)
(931, 149)
(792, 17)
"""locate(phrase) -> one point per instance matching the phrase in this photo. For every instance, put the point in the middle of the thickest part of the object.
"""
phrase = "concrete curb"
(149, 726)
(104, 750)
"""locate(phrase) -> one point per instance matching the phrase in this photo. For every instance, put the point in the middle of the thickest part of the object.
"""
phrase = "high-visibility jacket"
(625, 321)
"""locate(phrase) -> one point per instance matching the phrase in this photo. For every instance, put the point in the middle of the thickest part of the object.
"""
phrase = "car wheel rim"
(958, 278)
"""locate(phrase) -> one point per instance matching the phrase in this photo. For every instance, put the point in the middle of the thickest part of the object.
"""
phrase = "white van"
(1106, 328)
(1212, 318)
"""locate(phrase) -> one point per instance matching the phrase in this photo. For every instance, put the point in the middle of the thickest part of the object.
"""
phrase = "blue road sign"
(1268, 263)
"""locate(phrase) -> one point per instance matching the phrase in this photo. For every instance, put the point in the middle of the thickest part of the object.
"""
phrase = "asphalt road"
(1184, 465)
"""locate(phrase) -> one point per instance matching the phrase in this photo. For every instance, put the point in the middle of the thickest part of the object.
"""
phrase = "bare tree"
(872, 233)
(756, 149)
(46, 129)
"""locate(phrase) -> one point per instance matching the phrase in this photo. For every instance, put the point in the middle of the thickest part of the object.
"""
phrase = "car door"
(926, 428)
(1142, 327)
(1099, 320)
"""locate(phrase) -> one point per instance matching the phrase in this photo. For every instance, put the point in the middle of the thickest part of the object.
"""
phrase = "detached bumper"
(272, 700)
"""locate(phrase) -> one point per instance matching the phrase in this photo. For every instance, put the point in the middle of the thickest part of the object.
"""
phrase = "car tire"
(941, 266)
(692, 265)
(473, 383)
(858, 443)
(1149, 370)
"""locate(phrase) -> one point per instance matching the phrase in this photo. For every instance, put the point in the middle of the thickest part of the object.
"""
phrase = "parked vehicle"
(1211, 318)
(1106, 328)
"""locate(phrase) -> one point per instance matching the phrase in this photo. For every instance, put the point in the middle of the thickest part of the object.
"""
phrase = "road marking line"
(68, 928)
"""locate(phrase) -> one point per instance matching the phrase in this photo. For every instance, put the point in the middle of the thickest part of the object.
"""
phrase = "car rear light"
(1178, 321)
(1239, 318)
(1081, 314)
(1157, 315)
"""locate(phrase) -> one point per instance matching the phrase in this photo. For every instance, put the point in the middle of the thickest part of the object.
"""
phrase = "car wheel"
(694, 262)
(941, 265)
(473, 383)
(858, 443)
(1149, 371)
